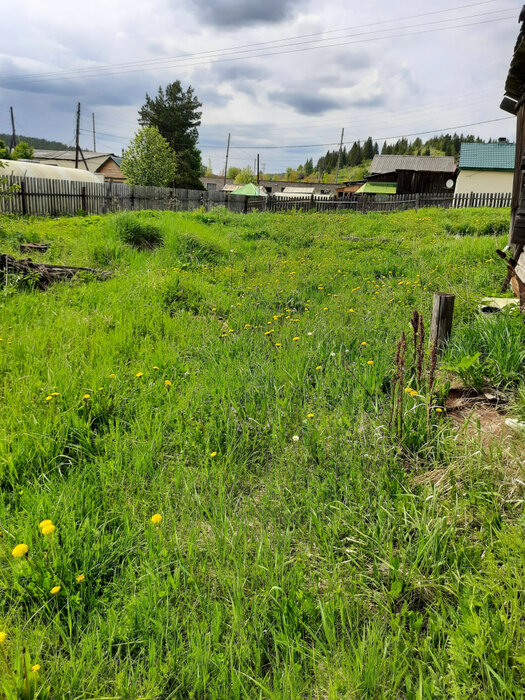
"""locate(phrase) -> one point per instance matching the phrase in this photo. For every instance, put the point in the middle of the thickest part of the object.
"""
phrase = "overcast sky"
(383, 68)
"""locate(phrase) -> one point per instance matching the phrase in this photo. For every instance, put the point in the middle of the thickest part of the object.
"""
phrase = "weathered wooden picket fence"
(41, 197)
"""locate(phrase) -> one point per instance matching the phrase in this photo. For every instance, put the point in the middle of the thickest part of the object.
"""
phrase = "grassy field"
(325, 530)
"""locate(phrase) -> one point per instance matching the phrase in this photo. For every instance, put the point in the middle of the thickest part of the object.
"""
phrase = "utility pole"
(77, 136)
(13, 132)
(227, 154)
(339, 156)
(94, 136)
(257, 169)
(78, 150)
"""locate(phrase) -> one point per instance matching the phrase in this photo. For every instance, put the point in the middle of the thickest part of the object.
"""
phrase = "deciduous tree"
(149, 160)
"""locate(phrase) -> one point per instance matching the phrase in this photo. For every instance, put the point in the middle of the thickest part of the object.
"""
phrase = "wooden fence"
(41, 197)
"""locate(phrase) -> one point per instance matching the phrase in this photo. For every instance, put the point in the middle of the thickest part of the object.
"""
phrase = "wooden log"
(45, 274)
(442, 316)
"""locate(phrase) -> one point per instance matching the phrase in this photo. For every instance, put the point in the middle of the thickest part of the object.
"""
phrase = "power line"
(379, 138)
(254, 147)
(260, 43)
(93, 72)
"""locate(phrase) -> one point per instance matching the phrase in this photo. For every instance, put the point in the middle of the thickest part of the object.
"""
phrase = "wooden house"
(105, 164)
(486, 167)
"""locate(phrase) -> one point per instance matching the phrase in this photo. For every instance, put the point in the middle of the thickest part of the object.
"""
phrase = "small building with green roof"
(486, 167)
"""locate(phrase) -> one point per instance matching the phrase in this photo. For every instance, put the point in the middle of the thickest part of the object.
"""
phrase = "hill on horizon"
(37, 142)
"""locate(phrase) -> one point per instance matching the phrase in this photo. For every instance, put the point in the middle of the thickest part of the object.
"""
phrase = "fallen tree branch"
(45, 274)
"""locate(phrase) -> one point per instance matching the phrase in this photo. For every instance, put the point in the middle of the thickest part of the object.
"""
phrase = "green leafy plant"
(470, 368)
(137, 233)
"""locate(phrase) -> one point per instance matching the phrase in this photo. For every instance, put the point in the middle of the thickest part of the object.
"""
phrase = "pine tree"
(176, 114)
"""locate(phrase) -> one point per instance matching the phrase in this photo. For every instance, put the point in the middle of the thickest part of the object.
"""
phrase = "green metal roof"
(487, 156)
(251, 190)
(377, 188)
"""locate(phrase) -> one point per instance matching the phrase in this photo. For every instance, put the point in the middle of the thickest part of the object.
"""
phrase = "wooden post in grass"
(442, 315)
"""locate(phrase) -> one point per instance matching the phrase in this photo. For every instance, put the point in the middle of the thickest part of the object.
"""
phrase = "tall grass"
(237, 381)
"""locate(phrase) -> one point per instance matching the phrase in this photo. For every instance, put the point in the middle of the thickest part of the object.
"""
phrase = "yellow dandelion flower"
(86, 397)
(364, 343)
(3, 637)
(277, 345)
(155, 367)
(55, 590)
(139, 374)
(156, 519)
(408, 390)
(55, 393)
(49, 398)
(351, 311)
(47, 529)
(370, 362)
(167, 383)
(213, 454)
(325, 308)
(269, 332)
(310, 415)
(35, 668)
(296, 338)
(112, 376)
(20, 550)
(44, 523)
(439, 410)
(413, 392)
(319, 367)
(79, 578)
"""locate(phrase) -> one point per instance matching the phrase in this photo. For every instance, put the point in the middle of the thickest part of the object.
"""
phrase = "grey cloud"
(305, 102)
(242, 13)
(115, 90)
(239, 71)
(210, 96)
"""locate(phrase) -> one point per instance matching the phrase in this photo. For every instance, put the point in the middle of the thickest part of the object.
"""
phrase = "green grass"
(305, 551)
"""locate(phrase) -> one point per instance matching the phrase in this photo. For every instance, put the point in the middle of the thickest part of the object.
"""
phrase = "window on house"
(211, 186)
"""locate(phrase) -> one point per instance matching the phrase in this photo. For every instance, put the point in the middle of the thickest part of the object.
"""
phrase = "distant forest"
(37, 143)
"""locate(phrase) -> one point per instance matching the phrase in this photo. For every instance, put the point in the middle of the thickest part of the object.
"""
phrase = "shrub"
(136, 233)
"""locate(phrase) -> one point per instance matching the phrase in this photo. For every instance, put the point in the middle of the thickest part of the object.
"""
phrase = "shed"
(486, 167)
(250, 190)
(28, 168)
(415, 174)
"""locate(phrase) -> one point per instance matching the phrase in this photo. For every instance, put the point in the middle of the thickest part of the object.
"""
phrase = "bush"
(136, 233)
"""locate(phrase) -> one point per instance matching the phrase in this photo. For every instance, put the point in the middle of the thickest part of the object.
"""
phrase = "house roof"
(299, 190)
(250, 190)
(377, 188)
(44, 153)
(487, 156)
(388, 164)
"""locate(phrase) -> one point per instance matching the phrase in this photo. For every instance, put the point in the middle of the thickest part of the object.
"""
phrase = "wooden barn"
(415, 174)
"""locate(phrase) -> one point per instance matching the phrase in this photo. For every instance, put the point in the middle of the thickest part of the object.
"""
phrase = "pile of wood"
(43, 274)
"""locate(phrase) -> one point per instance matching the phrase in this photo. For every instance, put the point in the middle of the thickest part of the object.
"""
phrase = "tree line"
(357, 154)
